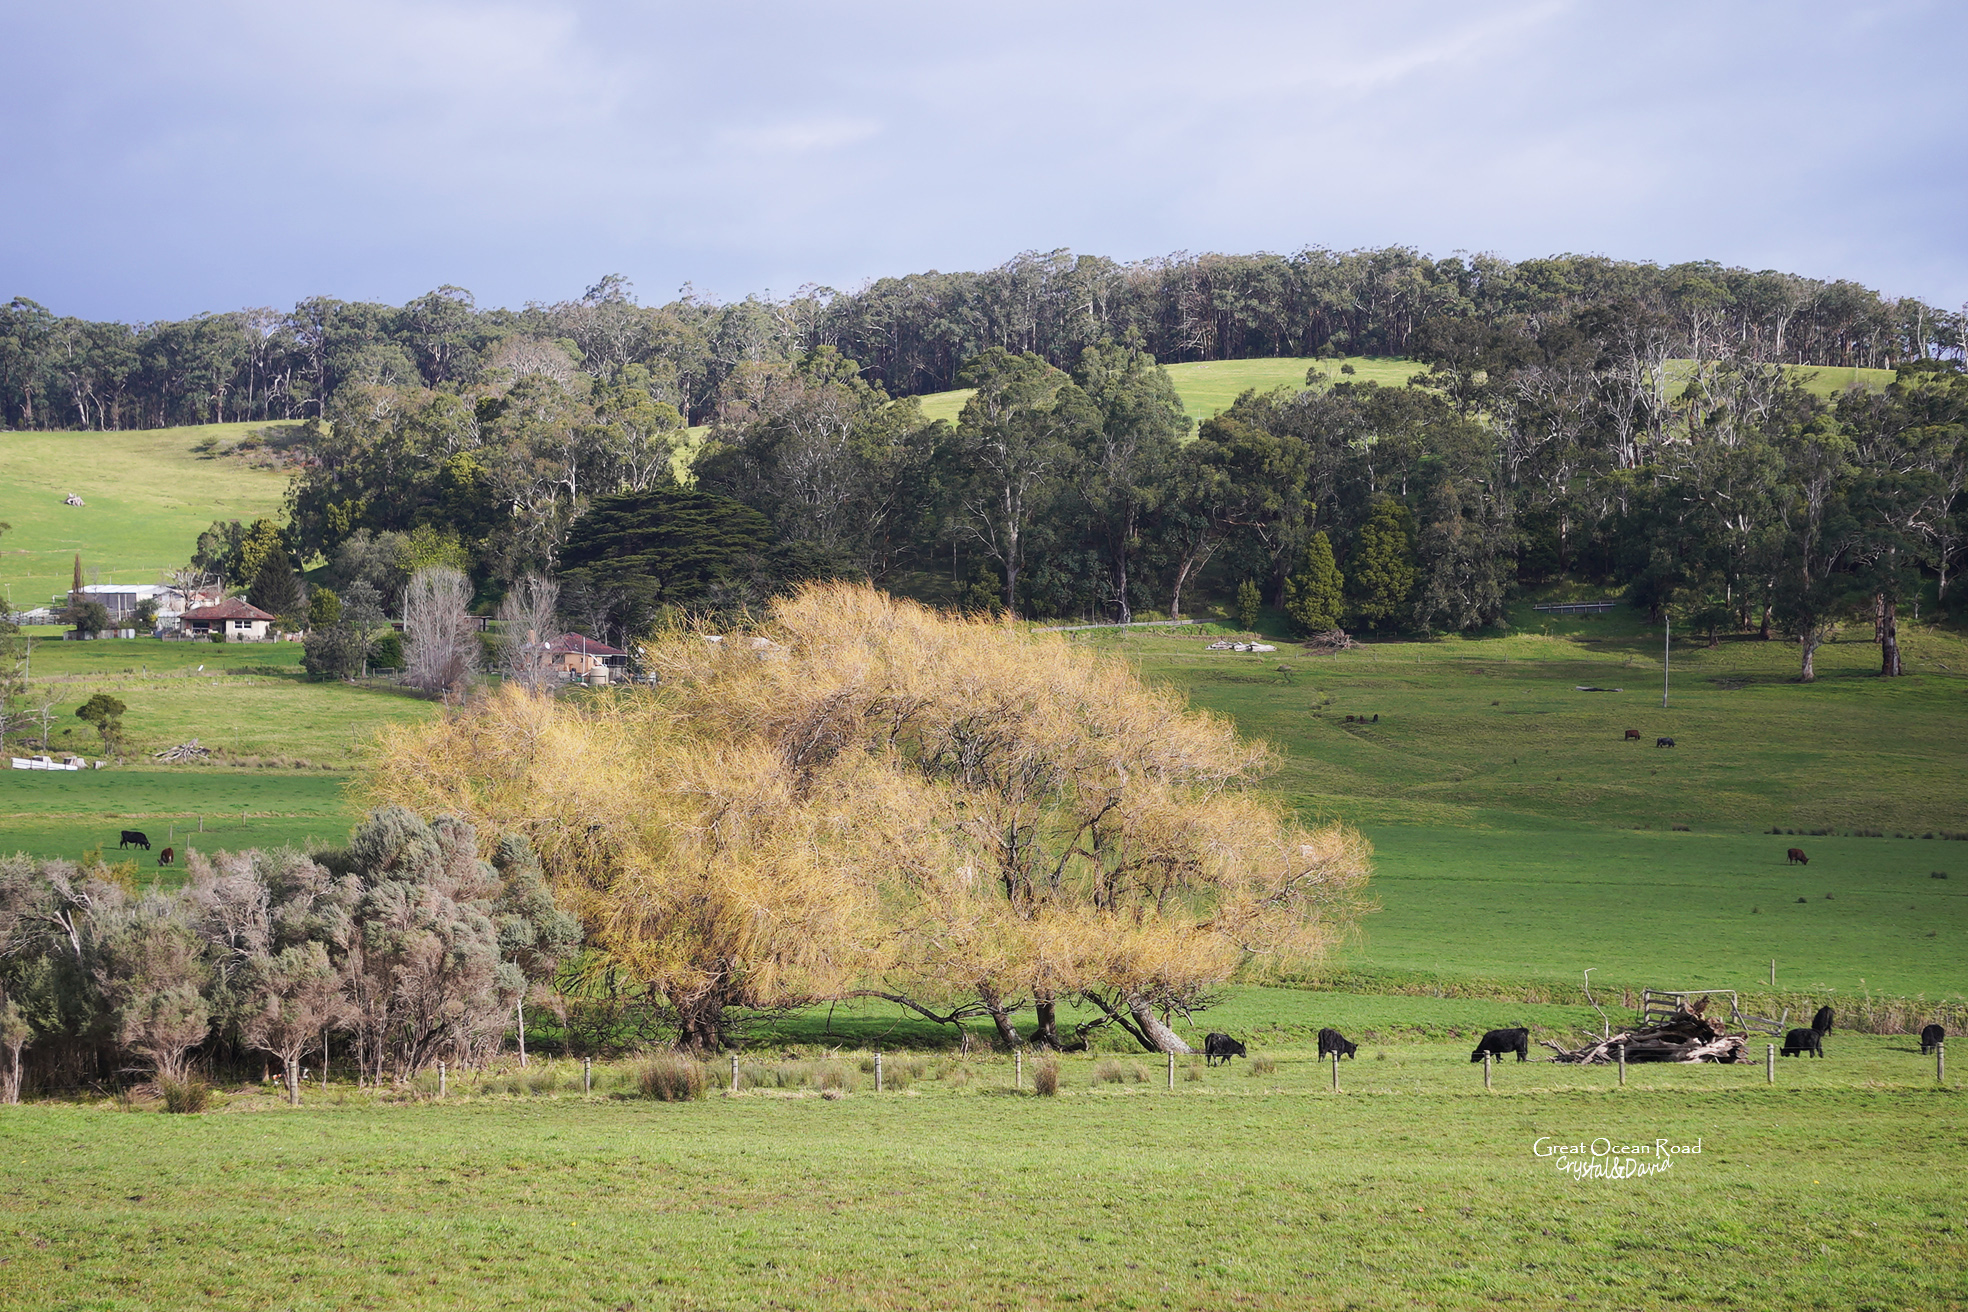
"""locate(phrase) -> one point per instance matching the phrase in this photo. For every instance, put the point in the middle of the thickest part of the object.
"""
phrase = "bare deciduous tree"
(440, 641)
(527, 620)
(14, 1034)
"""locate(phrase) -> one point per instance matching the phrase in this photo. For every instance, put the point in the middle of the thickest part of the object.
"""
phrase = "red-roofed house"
(239, 619)
(577, 657)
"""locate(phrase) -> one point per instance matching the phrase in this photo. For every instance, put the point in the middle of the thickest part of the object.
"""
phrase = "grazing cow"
(1796, 857)
(1221, 1047)
(134, 838)
(1332, 1041)
(1497, 1042)
(1663, 742)
(1632, 736)
(1799, 1042)
(1932, 1037)
(167, 856)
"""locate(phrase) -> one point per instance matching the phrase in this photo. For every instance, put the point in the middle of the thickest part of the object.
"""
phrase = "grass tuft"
(1045, 1077)
(188, 1096)
(670, 1077)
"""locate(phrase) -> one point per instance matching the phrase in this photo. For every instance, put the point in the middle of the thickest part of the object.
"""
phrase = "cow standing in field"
(1497, 1042)
(1663, 742)
(1221, 1047)
(1932, 1037)
(167, 856)
(1331, 1041)
(134, 838)
(1799, 1042)
(1632, 736)
(1796, 857)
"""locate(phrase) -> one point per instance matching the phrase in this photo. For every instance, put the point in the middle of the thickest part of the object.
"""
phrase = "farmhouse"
(238, 619)
(121, 600)
(576, 657)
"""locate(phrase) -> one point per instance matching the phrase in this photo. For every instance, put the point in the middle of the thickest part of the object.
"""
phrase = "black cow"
(1498, 1042)
(1932, 1037)
(1332, 1041)
(1799, 1042)
(1663, 742)
(1221, 1046)
(135, 838)
(1822, 1021)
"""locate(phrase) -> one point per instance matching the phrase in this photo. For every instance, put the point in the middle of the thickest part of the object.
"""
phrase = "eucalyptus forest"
(1643, 428)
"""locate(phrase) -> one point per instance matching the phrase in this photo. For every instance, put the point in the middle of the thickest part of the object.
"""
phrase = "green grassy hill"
(1210, 386)
(148, 495)
(1519, 836)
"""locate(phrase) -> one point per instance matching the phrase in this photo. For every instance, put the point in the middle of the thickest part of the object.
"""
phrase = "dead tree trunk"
(1886, 624)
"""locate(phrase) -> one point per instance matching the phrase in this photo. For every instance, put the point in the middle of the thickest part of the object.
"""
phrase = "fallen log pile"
(1685, 1036)
(190, 751)
(1330, 640)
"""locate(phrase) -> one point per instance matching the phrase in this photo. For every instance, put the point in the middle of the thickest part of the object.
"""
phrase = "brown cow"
(167, 856)
(1632, 736)
(1796, 857)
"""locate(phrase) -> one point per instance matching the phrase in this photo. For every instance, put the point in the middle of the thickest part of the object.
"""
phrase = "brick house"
(240, 620)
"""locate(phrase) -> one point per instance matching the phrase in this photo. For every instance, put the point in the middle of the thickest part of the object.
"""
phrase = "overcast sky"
(158, 160)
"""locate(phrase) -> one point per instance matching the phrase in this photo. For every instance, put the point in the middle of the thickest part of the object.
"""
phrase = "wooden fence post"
(1171, 1058)
(587, 1075)
(441, 1083)
(1018, 1069)
(1486, 1070)
(734, 1072)
(1335, 1062)
(878, 1071)
(1940, 1063)
(1622, 1055)
(1769, 1063)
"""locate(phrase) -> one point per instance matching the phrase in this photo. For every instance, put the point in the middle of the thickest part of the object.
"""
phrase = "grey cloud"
(163, 160)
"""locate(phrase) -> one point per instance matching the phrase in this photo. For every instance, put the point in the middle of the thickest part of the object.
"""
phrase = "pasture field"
(283, 748)
(1518, 836)
(148, 493)
(1209, 386)
(1842, 1187)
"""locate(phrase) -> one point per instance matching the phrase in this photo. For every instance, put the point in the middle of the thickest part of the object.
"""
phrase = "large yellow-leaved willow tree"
(863, 795)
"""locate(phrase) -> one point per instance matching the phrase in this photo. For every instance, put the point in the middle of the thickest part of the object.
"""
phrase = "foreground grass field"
(1410, 1188)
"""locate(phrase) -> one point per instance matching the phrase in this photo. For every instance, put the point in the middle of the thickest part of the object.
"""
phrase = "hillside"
(147, 497)
(1210, 386)
(150, 492)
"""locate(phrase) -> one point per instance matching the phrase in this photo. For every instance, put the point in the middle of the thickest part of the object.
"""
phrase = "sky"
(162, 160)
